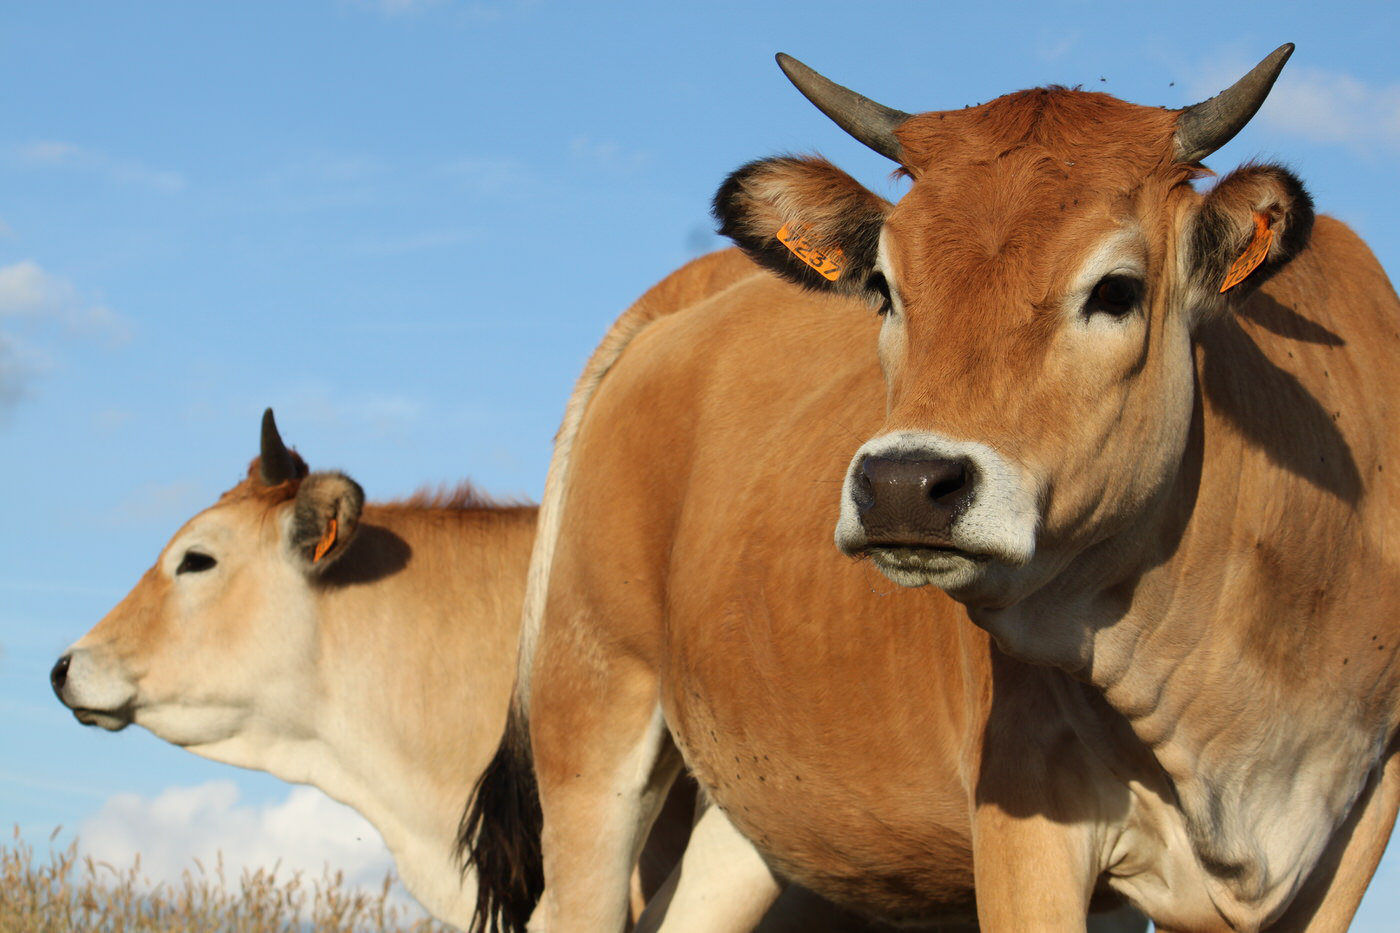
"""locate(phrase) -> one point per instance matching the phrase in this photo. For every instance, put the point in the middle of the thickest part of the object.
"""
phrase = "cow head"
(1040, 284)
(220, 634)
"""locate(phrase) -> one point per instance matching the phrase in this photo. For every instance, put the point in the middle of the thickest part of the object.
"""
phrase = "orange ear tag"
(1253, 254)
(326, 543)
(826, 262)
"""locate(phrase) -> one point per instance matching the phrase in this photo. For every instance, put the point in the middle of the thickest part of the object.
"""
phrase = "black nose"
(912, 503)
(59, 675)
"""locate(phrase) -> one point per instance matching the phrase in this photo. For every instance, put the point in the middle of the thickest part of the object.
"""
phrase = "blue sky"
(405, 224)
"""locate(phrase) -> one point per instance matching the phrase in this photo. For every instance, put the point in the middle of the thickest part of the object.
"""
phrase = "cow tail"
(499, 836)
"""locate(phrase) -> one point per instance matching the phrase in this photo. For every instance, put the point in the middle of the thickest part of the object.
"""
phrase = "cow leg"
(1333, 892)
(604, 763)
(666, 844)
(1028, 866)
(722, 884)
(1040, 801)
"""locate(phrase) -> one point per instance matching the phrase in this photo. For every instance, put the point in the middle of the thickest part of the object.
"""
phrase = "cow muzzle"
(912, 503)
(932, 510)
(96, 695)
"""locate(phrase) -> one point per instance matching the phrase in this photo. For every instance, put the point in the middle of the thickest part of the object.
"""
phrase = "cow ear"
(806, 220)
(1249, 226)
(324, 519)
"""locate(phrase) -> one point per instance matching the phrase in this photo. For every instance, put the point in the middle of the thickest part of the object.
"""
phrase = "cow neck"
(1244, 653)
(415, 674)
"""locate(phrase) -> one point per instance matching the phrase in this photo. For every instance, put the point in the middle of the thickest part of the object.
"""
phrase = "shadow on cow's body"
(378, 553)
(1308, 442)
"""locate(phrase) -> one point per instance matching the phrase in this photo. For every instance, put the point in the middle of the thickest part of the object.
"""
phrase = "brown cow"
(1136, 432)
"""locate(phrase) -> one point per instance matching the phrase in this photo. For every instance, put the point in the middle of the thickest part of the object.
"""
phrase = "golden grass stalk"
(69, 893)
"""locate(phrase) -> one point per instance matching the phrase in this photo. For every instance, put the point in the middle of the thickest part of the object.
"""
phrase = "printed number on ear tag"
(326, 543)
(1253, 254)
(826, 262)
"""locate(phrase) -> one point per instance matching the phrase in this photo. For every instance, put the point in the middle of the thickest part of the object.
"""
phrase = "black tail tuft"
(499, 836)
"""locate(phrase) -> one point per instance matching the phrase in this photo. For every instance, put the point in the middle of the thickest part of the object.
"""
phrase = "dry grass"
(71, 893)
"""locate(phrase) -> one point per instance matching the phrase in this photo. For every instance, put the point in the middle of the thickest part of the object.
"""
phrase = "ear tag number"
(1253, 254)
(326, 543)
(826, 262)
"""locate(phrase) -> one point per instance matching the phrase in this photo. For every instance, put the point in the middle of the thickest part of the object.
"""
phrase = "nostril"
(862, 490)
(897, 490)
(59, 675)
(948, 485)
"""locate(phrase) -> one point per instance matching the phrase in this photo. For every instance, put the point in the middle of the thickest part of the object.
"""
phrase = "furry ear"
(1248, 227)
(806, 220)
(324, 519)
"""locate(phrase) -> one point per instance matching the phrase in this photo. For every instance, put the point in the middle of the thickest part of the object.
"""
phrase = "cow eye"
(879, 286)
(195, 562)
(1115, 295)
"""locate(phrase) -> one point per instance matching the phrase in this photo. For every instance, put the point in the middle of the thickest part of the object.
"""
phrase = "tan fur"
(1183, 695)
(702, 277)
(383, 678)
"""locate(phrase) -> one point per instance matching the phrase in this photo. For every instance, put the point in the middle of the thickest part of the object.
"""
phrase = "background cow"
(372, 659)
(1139, 432)
(366, 649)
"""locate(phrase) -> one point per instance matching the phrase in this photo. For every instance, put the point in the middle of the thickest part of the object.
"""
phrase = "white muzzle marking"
(997, 525)
(98, 691)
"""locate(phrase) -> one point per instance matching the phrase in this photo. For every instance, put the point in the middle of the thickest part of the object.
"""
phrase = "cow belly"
(836, 749)
(902, 855)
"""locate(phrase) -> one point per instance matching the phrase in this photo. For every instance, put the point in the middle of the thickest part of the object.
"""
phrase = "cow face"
(1040, 284)
(217, 642)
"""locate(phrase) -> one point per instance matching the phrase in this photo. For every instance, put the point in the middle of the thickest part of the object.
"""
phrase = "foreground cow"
(1140, 434)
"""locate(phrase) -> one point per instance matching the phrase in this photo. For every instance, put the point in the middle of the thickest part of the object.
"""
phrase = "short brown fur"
(1134, 713)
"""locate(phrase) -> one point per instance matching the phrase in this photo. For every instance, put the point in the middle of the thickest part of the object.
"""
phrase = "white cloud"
(386, 414)
(157, 504)
(111, 420)
(1053, 45)
(334, 168)
(27, 289)
(488, 176)
(19, 365)
(1320, 105)
(1326, 106)
(49, 153)
(13, 377)
(31, 299)
(396, 7)
(607, 154)
(27, 292)
(480, 12)
(376, 244)
(306, 832)
(317, 180)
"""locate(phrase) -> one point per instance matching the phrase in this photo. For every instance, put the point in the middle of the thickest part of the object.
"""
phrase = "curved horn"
(1205, 127)
(871, 123)
(276, 465)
